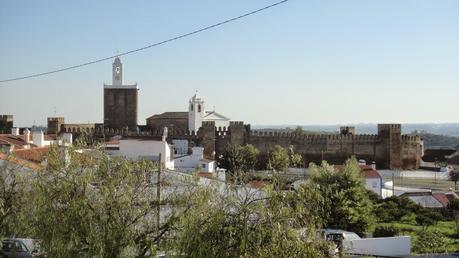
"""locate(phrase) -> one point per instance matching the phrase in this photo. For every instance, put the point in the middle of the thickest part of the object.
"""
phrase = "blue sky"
(304, 62)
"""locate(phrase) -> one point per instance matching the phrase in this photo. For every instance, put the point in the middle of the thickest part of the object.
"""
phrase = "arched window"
(199, 108)
(191, 107)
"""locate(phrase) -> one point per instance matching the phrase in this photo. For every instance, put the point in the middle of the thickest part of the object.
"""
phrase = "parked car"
(20, 248)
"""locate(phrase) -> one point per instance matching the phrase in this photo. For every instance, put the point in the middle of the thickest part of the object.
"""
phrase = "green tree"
(454, 176)
(93, 205)
(395, 207)
(232, 160)
(296, 160)
(250, 157)
(431, 241)
(12, 196)
(338, 197)
(299, 130)
(279, 159)
(239, 160)
(242, 223)
(453, 209)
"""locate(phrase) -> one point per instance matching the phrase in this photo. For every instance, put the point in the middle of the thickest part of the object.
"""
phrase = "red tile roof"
(18, 141)
(369, 171)
(33, 154)
(20, 162)
(372, 174)
(441, 197)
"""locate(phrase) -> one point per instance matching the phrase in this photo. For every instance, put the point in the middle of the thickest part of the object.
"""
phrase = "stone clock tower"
(120, 101)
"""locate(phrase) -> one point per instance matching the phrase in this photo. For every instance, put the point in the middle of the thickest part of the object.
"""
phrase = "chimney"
(165, 134)
(67, 139)
(27, 135)
(373, 165)
(15, 131)
(38, 138)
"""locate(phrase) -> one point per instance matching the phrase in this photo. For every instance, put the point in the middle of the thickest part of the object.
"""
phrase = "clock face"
(117, 69)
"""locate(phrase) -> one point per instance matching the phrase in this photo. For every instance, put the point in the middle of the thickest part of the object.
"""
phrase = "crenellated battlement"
(390, 126)
(409, 138)
(236, 123)
(208, 123)
(311, 138)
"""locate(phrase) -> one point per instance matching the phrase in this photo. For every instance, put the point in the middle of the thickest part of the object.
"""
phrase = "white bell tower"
(195, 113)
(117, 72)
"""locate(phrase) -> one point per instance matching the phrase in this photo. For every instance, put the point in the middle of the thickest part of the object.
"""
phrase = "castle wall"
(389, 149)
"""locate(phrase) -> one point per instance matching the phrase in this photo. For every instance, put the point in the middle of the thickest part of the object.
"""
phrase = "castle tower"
(195, 113)
(54, 125)
(390, 136)
(6, 123)
(120, 101)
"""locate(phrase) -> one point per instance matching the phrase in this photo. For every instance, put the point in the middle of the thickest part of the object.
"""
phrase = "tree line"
(93, 205)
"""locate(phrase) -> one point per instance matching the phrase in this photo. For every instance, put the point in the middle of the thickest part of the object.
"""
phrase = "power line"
(145, 47)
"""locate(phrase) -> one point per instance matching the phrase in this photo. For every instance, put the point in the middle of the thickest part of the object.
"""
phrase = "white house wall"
(140, 149)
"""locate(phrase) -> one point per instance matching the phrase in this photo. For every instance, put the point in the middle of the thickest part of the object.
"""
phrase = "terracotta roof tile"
(372, 174)
(33, 154)
(441, 197)
(17, 141)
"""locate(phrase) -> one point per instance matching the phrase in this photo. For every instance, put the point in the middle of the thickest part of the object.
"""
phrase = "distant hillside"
(435, 141)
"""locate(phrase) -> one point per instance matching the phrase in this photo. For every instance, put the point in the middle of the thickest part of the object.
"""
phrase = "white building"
(197, 115)
(137, 149)
(196, 159)
(373, 182)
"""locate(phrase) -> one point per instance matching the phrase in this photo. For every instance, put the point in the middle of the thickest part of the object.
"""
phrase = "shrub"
(386, 231)
(432, 241)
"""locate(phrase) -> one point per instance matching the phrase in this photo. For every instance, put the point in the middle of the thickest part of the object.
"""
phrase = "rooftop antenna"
(55, 111)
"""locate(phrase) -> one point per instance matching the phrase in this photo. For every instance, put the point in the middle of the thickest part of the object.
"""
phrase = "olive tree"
(91, 204)
(339, 198)
(246, 223)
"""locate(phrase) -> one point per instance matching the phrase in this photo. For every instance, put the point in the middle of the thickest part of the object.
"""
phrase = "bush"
(386, 231)
(432, 241)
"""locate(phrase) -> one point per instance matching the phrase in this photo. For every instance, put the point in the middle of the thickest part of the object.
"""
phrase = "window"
(203, 165)
(374, 184)
(199, 108)
(191, 107)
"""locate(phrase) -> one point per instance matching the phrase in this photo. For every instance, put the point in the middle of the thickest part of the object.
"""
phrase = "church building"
(189, 121)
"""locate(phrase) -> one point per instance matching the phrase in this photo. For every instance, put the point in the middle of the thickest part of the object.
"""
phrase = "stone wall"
(120, 108)
(54, 125)
(171, 123)
(388, 148)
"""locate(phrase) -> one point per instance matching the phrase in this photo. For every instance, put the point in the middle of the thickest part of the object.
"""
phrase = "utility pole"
(158, 194)
(393, 184)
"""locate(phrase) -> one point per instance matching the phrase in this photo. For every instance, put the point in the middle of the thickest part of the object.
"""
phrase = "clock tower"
(120, 101)
(117, 71)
